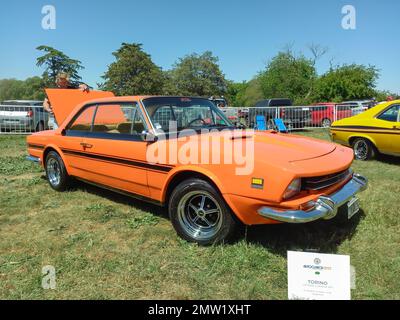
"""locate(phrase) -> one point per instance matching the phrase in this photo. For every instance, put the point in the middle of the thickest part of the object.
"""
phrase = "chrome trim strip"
(325, 207)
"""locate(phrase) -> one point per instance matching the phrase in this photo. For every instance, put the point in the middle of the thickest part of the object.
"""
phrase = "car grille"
(318, 183)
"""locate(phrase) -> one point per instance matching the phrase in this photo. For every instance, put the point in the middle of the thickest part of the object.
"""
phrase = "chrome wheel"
(361, 149)
(200, 215)
(53, 172)
(326, 123)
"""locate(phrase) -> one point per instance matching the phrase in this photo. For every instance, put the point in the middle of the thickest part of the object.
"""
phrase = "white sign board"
(317, 276)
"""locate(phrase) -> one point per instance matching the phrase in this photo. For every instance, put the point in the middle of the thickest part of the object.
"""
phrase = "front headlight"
(293, 189)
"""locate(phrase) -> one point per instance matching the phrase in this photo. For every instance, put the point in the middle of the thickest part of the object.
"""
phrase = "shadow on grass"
(388, 159)
(320, 236)
(120, 198)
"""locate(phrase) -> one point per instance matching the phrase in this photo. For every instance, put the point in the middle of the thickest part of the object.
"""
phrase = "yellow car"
(376, 130)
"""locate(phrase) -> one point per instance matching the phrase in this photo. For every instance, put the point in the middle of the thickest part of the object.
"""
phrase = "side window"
(162, 117)
(84, 120)
(118, 119)
(391, 114)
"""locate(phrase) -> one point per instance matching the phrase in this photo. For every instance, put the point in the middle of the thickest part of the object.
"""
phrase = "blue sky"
(243, 34)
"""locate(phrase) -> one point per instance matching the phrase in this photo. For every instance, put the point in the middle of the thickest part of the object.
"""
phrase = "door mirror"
(149, 137)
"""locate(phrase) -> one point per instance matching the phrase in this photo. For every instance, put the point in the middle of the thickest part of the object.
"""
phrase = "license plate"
(353, 206)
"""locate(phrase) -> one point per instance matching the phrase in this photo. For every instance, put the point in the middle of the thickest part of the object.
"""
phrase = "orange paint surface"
(122, 164)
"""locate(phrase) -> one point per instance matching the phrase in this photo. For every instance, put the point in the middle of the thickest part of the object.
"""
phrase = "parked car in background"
(323, 114)
(357, 106)
(293, 179)
(375, 130)
(292, 116)
(23, 115)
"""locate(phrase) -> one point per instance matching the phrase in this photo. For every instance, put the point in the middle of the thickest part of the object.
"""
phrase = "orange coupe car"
(105, 140)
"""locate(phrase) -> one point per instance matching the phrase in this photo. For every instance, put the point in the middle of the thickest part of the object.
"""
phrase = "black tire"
(40, 126)
(326, 123)
(56, 172)
(363, 149)
(188, 213)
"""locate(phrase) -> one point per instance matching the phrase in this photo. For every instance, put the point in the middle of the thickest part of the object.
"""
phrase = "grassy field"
(106, 246)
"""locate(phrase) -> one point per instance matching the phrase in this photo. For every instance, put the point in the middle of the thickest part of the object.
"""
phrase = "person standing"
(62, 82)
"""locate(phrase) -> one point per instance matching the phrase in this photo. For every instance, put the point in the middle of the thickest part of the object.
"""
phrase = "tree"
(252, 93)
(197, 75)
(347, 82)
(133, 72)
(288, 76)
(236, 93)
(56, 61)
(29, 89)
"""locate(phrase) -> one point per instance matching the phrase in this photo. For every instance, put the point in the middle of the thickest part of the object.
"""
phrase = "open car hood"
(63, 101)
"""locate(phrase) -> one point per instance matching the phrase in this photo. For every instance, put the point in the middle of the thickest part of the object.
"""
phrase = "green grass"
(106, 246)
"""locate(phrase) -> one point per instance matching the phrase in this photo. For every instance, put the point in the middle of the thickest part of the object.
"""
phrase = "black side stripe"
(362, 127)
(36, 146)
(119, 160)
(366, 129)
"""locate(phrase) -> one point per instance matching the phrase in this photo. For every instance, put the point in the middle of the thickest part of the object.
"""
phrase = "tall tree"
(133, 72)
(56, 61)
(288, 76)
(198, 75)
(347, 82)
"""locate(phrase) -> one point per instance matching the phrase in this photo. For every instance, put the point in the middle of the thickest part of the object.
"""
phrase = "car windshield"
(178, 113)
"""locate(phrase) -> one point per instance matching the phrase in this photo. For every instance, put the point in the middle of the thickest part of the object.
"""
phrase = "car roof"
(23, 101)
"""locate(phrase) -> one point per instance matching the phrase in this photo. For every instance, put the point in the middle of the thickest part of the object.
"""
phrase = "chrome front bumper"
(323, 208)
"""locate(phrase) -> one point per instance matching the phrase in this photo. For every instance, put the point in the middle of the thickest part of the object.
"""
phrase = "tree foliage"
(288, 76)
(133, 72)
(236, 93)
(347, 82)
(55, 61)
(197, 75)
(30, 89)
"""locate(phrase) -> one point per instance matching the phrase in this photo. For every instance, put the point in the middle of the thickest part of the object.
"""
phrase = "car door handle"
(396, 127)
(86, 145)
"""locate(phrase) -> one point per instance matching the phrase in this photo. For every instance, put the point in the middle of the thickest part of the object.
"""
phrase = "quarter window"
(391, 114)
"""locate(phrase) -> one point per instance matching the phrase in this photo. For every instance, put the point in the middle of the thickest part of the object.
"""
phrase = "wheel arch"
(352, 138)
(177, 177)
(50, 148)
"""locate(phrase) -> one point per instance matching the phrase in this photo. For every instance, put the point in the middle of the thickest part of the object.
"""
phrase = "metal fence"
(27, 119)
(16, 119)
(294, 118)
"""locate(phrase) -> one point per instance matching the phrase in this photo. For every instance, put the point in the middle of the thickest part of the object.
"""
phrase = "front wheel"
(199, 213)
(363, 149)
(56, 172)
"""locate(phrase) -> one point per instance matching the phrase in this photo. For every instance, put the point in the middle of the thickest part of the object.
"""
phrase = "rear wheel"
(56, 172)
(363, 149)
(199, 213)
